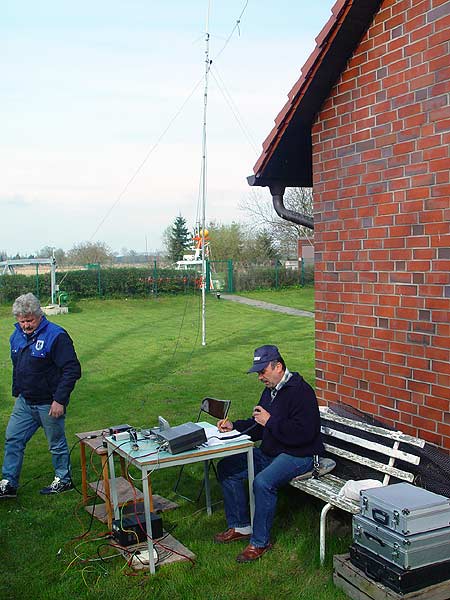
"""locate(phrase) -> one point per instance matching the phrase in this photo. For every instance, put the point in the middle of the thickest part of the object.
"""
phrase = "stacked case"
(402, 537)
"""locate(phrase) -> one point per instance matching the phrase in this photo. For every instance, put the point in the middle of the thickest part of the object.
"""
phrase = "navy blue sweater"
(294, 423)
(45, 365)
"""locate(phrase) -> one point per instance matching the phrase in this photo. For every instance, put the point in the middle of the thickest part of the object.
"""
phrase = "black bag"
(394, 577)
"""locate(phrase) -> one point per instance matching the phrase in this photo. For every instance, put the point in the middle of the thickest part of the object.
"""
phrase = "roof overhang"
(286, 159)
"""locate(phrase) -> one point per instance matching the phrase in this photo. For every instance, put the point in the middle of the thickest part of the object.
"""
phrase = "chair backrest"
(214, 407)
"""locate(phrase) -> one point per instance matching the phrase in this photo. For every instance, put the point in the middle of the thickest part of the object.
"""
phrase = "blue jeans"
(270, 474)
(24, 421)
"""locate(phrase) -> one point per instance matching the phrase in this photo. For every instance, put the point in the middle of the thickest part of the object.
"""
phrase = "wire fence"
(95, 281)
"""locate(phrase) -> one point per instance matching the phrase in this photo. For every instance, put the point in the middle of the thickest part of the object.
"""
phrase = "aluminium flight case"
(408, 552)
(394, 577)
(405, 508)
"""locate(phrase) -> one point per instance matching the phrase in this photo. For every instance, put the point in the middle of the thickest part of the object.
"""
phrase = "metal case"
(405, 508)
(394, 577)
(408, 552)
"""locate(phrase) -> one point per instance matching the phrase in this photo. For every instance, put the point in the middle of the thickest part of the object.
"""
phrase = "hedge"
(123, 282)
(105, 283)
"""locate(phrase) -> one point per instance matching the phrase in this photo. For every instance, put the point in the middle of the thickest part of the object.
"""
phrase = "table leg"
(83, 472)
(207, 487)
(146, 487)
(251, 476)
(112, 482)
(106, 489)
(123, 469)
(150, 493)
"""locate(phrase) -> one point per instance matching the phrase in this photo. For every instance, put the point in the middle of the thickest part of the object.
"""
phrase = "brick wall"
(381, 166)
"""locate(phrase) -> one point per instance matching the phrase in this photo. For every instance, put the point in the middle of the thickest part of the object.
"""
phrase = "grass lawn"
(294, 297)
(141, 359)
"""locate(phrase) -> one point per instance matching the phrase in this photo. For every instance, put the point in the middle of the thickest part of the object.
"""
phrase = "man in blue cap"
(287, 423)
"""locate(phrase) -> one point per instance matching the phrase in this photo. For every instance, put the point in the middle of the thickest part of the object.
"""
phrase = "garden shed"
(367, 126)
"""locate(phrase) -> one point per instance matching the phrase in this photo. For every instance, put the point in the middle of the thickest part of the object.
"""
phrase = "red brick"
(393, 271)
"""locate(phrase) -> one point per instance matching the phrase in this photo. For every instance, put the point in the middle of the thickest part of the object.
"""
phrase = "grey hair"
(27, 304)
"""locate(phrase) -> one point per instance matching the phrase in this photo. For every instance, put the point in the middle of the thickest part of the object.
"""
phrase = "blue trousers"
(23, 424)
(270, 474)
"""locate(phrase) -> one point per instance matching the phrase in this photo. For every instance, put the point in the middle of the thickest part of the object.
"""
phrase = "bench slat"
(327, 414)
(373, 464)
(327, 489)
(385, 450)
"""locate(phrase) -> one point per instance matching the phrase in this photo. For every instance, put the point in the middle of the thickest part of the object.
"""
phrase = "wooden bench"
(357, 448)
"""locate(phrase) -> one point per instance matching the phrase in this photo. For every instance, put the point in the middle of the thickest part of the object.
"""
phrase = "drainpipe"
(277, 191)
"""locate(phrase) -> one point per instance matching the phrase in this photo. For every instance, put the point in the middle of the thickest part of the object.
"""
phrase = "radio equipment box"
(129, 530)
(119, 428)
(182, 437)
(405, 508)
(409, 552)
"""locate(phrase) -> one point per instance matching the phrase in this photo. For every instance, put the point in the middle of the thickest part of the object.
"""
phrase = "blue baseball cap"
(262, 357)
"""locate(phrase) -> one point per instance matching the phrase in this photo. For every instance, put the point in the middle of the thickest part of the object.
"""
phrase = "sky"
(102, 109)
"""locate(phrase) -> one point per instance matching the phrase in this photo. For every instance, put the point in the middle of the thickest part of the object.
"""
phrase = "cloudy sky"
(102, 112)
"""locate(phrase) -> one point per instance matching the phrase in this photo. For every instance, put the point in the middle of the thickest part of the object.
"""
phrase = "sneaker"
(7, 490)
(56, 487)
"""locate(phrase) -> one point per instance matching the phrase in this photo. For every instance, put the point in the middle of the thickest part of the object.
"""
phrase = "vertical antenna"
(205, 103)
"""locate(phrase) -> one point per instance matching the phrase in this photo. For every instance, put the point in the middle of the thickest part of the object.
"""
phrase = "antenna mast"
(205, 104)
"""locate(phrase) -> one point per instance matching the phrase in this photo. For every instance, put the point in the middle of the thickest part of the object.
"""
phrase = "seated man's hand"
(224, 425)
(261, 415)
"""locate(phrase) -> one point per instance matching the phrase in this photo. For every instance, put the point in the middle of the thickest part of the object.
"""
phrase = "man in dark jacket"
(45, 370)
(287, 422)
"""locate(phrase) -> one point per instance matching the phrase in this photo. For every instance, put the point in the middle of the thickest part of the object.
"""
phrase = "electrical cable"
(149, 153)
(231, 104)
(236, 26)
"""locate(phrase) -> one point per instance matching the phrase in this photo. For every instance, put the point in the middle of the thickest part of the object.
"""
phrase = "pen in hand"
(224, 425)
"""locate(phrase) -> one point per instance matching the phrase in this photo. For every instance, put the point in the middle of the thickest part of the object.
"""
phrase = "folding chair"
(218, 409)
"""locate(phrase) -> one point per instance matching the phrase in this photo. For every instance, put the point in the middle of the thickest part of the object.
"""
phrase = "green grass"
(294, 297)
(142, 358)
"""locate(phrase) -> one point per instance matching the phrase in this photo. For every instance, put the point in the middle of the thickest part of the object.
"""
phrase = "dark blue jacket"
(45, 365)
(294, 424)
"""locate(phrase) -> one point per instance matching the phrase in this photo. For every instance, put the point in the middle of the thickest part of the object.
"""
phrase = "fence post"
(99, 282)
(37, 281)
(207, 282)
(230, 276)
(155, 278)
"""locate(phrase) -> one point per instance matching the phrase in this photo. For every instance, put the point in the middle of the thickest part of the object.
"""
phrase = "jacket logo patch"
(39, 345)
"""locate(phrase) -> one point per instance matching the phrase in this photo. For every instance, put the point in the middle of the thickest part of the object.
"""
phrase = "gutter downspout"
(277, 192)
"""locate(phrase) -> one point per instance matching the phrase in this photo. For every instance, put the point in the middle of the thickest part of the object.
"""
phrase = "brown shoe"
(252, 553)
(230, 535)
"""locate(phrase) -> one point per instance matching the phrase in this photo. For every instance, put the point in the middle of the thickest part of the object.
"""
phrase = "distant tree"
(284, 234)
(60, 256)
(227, 241)
(45, 252)
(261, 248)
(90, 253)
(177, 239)
(49, 251)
